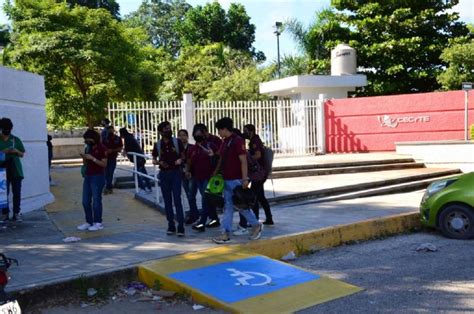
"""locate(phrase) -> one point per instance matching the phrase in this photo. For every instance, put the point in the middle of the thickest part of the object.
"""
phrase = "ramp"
(241, 282)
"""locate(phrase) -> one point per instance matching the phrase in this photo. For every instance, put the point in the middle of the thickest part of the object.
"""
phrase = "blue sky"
(264, 14)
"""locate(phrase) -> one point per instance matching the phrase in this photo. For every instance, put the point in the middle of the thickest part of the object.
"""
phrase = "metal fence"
(289, 127)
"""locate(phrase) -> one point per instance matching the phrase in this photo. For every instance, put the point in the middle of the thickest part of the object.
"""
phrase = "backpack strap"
(175, 143)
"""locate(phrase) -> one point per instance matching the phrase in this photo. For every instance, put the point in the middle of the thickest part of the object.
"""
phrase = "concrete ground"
(397, 278)
(135, 233)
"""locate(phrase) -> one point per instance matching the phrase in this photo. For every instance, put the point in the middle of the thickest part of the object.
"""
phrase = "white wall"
(441, 154)
(22, 99)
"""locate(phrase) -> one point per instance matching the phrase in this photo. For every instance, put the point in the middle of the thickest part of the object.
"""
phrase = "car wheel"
(457, 221)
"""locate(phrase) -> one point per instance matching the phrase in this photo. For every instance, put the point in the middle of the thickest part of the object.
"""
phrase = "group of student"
(187, 166)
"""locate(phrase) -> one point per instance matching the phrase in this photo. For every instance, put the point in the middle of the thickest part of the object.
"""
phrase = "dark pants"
(142, 181)
(109, 173)
(170, 183)
(189, 186)
(15, 184)
(259, 191)
(92, 198)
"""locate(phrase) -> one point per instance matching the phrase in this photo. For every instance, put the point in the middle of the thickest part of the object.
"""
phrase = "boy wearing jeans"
(233, 166)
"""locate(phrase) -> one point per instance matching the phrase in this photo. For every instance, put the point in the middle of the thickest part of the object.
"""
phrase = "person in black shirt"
(131, 146)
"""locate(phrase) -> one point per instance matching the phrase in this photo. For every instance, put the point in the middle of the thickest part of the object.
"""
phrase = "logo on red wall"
(389, 122)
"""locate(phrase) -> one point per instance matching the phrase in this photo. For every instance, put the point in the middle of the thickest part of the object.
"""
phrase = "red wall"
(352, 124)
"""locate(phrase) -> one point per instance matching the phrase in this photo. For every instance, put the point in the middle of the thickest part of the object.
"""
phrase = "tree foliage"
(160, 18)
(110, 5)
(398, 43)
(86, 56)
(460, 60)
(207, 24)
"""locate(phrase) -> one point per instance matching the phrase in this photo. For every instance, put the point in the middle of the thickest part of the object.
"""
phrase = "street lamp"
(466, 87)
(278, 31)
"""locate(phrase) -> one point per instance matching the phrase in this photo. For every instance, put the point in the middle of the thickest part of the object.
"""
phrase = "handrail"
(136, 173)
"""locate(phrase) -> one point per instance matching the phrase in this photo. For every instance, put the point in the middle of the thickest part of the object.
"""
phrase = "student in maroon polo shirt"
(256, 151)
(200, 168)
(188, 183)
(95, 162)
(114, 145)
(210, 138)
(233, 166)
(168, 153)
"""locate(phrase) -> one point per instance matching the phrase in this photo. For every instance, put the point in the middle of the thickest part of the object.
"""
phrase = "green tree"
(460, 60)
(208, 24)
(399, 43)
(86, 56)
(4, 41)
(160, 18)
(241, 85)
(197, 67)
(317, 40)
(110, 5)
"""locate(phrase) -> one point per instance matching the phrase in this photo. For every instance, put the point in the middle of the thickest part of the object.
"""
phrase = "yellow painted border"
(277, 247)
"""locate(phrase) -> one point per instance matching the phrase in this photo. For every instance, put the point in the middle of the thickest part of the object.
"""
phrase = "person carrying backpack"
(200, 168)
(168, 154)
(233, 166)
(257, 153)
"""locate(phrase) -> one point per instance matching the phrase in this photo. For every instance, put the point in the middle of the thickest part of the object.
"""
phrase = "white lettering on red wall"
(394, 122)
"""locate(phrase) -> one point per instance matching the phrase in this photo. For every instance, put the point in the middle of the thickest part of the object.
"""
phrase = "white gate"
(289, 127)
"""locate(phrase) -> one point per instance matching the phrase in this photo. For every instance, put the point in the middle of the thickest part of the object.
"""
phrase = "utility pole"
(466, 87)
(278, 31)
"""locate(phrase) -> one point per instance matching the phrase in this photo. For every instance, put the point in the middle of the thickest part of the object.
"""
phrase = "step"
(360, 187)
(393, 189)
(126, 182)
(344, 164)
(339, 170)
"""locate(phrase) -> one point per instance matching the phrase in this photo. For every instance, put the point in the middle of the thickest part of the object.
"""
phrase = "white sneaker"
(84, 227)
(96, 227)
(240, 231)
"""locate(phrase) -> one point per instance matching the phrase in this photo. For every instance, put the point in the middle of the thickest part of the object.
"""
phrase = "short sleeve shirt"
(93, 169)
(215, 140)
(231, 149)
(201, 163)
(12, 161)
(113, 142)
(256, 145)
(168, 154)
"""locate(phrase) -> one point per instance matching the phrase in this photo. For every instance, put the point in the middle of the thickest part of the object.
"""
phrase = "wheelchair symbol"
(249, 278)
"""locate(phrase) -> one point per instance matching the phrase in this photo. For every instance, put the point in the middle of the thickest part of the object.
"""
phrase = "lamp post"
(466, 87)
(278, 31)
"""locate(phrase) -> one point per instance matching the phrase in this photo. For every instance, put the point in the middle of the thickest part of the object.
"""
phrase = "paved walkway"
(135, 233)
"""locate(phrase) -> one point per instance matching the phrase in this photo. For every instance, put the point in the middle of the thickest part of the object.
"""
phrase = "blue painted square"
(243, 279)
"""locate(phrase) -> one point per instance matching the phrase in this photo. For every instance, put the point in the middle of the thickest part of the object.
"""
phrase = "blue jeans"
(189, 186)
(15, 188)
(142, 181)
(109, 173)
(170, 183)
(229, 186)
(92, 198)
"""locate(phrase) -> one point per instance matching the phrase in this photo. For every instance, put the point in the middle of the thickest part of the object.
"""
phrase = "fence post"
(187, 113)
(321, 124)
(135, 175)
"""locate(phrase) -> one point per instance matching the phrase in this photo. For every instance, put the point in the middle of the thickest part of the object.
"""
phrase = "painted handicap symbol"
(249, 278)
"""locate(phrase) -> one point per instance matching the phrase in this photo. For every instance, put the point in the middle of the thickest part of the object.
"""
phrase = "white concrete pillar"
(187, 114)
(321, 124)
(22, 99)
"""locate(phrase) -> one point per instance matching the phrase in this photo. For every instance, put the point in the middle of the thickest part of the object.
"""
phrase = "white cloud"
(466, 10)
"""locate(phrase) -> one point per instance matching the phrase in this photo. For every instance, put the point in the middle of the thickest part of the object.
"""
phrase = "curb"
(61, 290)
(310, 241)
(275, 247)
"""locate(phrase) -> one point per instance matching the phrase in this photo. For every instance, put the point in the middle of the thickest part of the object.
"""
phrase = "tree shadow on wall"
(339, 139)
